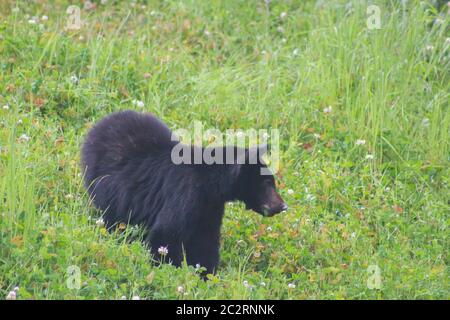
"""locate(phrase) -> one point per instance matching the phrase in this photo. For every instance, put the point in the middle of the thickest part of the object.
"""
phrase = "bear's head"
(254, 184)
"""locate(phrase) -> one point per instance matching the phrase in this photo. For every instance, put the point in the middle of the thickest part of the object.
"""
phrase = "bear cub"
(130, 175)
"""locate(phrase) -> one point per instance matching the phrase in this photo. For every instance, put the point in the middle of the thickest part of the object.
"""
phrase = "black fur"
(130, 176)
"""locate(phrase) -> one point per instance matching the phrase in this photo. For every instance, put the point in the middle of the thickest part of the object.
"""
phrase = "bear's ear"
(254, 154)
(263, 149)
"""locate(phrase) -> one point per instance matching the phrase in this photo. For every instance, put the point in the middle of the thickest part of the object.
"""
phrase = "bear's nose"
(284, 207)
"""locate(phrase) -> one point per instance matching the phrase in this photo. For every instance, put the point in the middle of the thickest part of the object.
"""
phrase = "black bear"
(130, 175)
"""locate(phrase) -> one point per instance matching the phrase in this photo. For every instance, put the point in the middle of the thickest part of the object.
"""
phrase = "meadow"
(363, 115)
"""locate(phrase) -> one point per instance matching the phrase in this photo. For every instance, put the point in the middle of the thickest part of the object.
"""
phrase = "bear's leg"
(203, 249)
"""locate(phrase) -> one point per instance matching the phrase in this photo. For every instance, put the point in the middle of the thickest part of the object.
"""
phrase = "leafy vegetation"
(364, 123)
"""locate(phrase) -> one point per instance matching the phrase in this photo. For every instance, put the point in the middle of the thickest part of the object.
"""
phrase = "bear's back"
(121, 138)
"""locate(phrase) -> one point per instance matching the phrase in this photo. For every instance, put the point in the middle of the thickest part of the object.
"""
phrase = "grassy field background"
(364, 122)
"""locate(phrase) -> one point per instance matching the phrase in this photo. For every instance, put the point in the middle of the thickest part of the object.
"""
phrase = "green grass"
(230, 65)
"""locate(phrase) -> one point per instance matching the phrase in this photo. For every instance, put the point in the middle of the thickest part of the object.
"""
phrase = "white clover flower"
(74, 79)
(6, 107)
(353, 235)
(284, 40)
(32, 21)
(262, 284)
(426, 122)
(163, 251)
(280, 29)
(12, 295)
(123, 298)
(207, 33)
(16, 289)
(136, 298)
(247, 284)
(429, 48)
(360, 142)
(291, 286)
(24, 138)
(198, 266)
(370, 157)
(103, 2)
(180, 289)
(15, 9)
(44, 18)
(283, 15)
(321, 225)
(290, 191)
(100, 223)
(138, 103)
(269, 229)
(316, 135)
(310, 197)
(88, 5)
(328, 109)
(296, 52)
